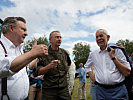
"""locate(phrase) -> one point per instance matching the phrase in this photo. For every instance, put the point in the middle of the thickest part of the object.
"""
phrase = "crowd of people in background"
(51, 72)
(35, 89)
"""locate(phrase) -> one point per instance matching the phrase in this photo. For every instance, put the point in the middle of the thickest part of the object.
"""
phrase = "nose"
(26, 33)
(59, 38)
(99, 37)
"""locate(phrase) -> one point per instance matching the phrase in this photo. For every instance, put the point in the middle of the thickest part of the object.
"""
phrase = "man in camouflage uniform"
(54, 67)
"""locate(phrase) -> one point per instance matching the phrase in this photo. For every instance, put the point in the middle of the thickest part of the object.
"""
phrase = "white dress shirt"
(105, 70)
(17, 83)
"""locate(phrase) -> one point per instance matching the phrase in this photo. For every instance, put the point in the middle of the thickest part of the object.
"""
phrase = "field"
(75, 91)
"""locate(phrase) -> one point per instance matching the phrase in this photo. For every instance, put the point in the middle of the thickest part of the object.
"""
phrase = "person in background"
(110, 69)
(82, 82)
(131, 58)
(71, 76)
(121, 45)
(54, 67)
(35, 91)
(13, 64)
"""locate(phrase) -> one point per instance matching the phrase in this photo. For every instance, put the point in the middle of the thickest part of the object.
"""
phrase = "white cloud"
(44, 16)
(75, 34)
(118, 22)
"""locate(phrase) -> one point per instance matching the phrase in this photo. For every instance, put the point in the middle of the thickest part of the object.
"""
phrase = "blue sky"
(77, 20)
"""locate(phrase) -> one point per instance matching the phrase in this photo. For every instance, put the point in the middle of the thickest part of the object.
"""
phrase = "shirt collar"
(99, 50)
(53, 51)
(8, 44)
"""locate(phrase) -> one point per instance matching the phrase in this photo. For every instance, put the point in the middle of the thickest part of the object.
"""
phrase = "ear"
(10, 28)
(108, 37)
(50, 40)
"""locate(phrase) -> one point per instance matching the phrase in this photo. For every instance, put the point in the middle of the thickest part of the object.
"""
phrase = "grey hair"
(51, 34)
(11, 21)
(105, 32)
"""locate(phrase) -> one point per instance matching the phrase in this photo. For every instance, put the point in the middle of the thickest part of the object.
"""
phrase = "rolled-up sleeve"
(5, 64)
(88, 64)
(122, 58)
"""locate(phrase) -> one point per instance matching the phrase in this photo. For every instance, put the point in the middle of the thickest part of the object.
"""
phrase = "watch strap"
(113, 58)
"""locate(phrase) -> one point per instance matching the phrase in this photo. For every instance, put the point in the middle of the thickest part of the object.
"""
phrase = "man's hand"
(111, 52)
(121, 67)
(21, 61)
(39, 50)
(92, 76)
(52, 64)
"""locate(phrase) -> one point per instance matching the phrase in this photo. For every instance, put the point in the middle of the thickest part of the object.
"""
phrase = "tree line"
(81, 50)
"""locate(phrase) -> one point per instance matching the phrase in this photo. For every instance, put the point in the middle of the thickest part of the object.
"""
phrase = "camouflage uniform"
(55, 85)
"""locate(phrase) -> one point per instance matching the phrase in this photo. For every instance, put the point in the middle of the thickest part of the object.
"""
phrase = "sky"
(77, 20)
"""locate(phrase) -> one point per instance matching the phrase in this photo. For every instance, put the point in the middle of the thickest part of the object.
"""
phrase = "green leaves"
(81, 52)
(127, 44)
(28, 44)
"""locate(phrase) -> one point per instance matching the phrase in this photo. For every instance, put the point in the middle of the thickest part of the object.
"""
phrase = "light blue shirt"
(82, 75)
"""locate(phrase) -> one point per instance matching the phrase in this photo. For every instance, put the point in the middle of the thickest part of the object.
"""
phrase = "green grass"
(75, 91)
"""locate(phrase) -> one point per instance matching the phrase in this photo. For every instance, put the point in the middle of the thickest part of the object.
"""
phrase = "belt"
(110, 86)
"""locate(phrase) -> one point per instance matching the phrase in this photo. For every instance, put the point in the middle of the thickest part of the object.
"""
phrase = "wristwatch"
(113, 58)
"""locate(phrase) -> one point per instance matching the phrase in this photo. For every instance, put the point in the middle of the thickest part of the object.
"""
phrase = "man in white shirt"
(110, 69)
(13, 66)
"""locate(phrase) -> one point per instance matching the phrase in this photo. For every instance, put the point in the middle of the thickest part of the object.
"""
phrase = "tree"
(28, 44)
(127, 44)
(81, 52)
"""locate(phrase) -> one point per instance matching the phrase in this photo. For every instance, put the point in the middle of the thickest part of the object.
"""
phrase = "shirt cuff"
(87, 70)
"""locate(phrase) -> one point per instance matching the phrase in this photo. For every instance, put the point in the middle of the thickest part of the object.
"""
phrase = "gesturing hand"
(39, 50)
